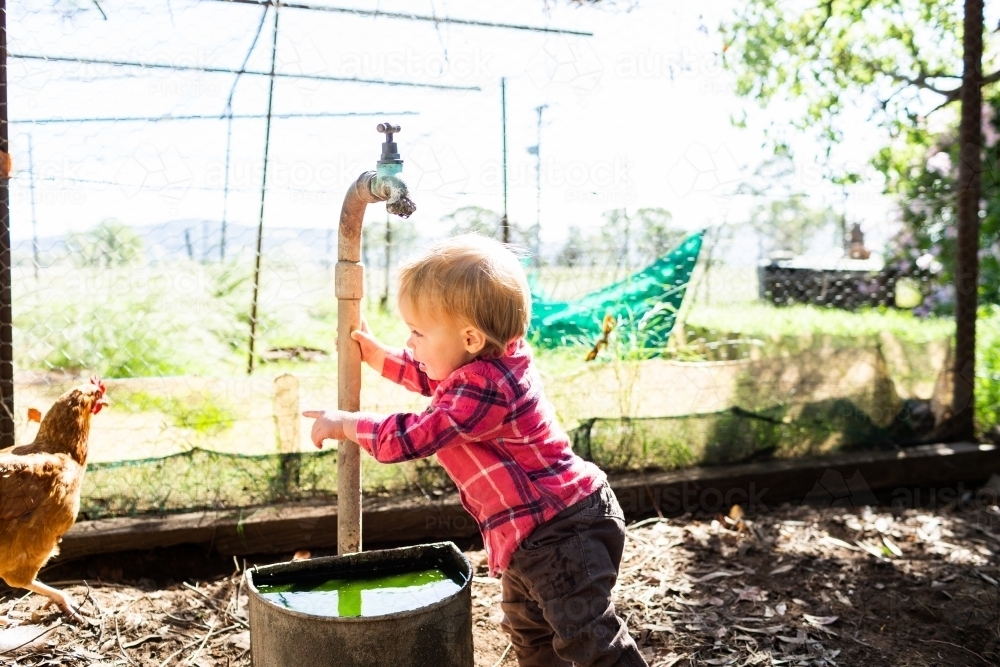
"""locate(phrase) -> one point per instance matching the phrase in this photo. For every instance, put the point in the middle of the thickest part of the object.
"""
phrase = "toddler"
(551, 525)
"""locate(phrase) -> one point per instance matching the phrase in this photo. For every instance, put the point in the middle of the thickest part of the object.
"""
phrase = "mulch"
(796, 586)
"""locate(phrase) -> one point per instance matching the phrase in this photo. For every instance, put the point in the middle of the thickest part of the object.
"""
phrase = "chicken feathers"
(40, 490)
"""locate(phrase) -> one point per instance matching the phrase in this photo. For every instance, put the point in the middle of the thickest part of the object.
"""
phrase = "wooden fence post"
(286, 425)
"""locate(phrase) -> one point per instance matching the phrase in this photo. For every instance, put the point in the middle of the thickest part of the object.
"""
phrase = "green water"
(368, 596)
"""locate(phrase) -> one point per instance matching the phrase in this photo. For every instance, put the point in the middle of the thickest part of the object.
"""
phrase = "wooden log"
(274, 529)
(845, 480)
(848, 480)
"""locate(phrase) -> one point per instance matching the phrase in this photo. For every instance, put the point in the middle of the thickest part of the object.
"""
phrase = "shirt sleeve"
(470, 408)
(402, 368)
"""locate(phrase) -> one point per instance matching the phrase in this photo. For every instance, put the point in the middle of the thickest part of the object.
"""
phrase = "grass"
(767, 321)
(988, 369)
(202, 413)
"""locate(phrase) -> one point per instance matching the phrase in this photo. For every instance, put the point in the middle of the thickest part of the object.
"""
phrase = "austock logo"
(436, 168)
(700, 169)
(832, 491)
(152, 167)
(688, 497)
(566, 61)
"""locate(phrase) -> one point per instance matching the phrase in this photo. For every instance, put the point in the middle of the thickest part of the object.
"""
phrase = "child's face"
(440, 345)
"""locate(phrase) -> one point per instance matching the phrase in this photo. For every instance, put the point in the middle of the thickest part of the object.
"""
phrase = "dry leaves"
(131, 626)
(798, 587)
(728, 590)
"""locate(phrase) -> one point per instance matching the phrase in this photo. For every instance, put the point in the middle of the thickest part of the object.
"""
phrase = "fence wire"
(122, 108)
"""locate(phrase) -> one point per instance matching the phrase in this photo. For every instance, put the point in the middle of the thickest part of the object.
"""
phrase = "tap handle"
(387, 128)
(390, 153)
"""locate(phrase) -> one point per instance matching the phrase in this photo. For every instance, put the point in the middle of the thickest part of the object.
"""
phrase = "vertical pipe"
(34, 223)
(967, 248)
(263, 192)
(505, 221)
(348, 453)
(6, 331)
(349, 286)
(349, 281)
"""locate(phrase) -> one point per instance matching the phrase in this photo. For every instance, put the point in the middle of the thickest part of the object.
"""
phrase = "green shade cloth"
(645, 304)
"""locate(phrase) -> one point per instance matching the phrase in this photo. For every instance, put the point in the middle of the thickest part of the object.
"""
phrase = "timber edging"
(842, 480)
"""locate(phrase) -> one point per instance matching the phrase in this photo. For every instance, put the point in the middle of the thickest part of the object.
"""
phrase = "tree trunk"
(961, 425)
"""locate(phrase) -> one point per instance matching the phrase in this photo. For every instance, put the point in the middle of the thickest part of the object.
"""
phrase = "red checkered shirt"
(496, 435)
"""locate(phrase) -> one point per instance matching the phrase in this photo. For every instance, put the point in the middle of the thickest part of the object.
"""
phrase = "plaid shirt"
(496, 435)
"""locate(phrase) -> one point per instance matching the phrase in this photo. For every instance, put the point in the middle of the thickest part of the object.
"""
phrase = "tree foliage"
(473, 220)
(625, 241)
(479, 220)
(924, 177)
(109, 244)
(900, 62)
(900, 59)
(789, 224)
(378, 247)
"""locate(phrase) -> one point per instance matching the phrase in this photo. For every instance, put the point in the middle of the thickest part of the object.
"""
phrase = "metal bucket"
(439, 634)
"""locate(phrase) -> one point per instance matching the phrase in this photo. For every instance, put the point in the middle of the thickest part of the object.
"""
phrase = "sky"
(637, 115)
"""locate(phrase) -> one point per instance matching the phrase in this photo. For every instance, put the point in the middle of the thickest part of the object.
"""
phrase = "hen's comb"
(96, 381)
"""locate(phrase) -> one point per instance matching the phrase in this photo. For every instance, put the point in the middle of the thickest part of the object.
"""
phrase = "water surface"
(365, 595)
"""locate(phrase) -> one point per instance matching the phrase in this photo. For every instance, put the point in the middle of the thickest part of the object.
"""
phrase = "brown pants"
(557, 590)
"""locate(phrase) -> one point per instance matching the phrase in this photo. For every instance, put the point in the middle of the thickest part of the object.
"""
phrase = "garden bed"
(798, 585)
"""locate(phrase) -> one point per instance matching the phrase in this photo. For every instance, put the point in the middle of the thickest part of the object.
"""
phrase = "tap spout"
(391, 189)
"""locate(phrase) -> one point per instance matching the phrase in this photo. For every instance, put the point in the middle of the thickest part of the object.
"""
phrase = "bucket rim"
(450, 546)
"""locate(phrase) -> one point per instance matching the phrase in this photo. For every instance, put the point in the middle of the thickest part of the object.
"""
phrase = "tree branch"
(953, 96)
(922, 80)
(991, 78)
(827, 6)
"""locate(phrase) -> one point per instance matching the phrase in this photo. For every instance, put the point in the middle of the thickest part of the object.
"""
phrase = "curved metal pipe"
(349, 280)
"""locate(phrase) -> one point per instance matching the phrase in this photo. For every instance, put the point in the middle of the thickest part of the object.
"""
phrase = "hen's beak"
(101, 402)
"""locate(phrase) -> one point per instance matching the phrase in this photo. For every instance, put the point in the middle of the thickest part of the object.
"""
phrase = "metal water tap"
(383, 184)
(387, 183)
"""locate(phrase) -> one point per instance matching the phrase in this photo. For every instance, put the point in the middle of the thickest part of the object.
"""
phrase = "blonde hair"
(475, 280)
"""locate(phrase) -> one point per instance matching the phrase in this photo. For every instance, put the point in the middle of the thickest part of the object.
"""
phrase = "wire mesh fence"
(180, 168)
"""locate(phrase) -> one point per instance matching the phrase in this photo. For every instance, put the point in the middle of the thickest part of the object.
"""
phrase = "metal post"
(34, 223)
(388, 262)
(263, 192)
(537, 232)
(229, 134)
(6, 330)
(505, 221)
(225, 189)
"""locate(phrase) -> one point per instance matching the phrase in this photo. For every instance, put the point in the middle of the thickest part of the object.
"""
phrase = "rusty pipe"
(349, 278)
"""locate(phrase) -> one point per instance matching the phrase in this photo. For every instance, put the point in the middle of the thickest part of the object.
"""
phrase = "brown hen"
(40, 490)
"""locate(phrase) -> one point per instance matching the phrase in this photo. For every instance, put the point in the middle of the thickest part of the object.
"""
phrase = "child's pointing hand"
(332, 425)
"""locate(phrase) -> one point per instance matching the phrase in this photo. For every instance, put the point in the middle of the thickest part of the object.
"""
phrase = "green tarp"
(645, 305)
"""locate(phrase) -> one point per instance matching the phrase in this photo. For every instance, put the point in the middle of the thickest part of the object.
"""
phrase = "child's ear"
(474, 340)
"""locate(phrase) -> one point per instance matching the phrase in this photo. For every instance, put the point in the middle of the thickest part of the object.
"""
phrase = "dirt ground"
(797, 586)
